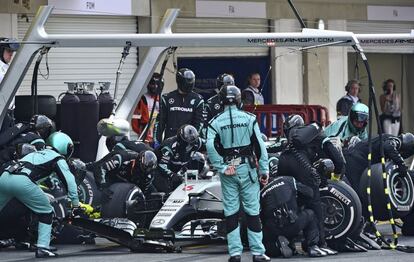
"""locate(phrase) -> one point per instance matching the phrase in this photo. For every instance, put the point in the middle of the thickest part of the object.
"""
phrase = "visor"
(70, 150)
(361, 117)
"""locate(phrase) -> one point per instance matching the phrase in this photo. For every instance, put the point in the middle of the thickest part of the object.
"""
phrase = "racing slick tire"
(121, 197)
(88, 192)
(401, 193)
(408, 225)
(341, 209)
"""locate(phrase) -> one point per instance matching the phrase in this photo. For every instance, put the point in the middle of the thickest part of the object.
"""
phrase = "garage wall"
(398, 67)
(82, 64)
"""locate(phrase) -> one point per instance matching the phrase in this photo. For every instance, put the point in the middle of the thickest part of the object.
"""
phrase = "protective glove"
(175, 181)
(264, 179)
(76, 211)
(90, 166)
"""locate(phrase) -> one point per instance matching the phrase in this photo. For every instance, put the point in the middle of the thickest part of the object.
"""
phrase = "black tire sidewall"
(349, 201)
(379, 199)
(116, 205)
(89, 191)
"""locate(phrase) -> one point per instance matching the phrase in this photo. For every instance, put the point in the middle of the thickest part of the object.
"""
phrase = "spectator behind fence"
(390, 103)
(252, 94)
(344, 104)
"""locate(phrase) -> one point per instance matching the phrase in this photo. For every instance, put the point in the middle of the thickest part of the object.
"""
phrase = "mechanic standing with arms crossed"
(233, 143)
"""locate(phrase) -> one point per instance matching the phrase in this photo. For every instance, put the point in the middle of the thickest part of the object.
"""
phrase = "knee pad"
(253, 223)
(232, 222)
(45, 218)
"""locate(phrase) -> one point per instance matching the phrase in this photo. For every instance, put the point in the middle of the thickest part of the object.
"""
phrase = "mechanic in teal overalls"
(233, 144)
(349, 126)
(19, 181)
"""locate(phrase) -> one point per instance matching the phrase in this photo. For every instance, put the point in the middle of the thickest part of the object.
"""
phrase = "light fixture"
(321, 24)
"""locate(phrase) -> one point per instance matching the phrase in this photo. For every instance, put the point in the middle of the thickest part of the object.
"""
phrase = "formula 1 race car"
(194, 210)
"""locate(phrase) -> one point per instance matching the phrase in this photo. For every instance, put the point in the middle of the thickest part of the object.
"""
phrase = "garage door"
(82, 64)
(221, 25)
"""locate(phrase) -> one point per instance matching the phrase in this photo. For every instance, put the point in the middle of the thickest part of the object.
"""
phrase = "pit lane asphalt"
(105, 251)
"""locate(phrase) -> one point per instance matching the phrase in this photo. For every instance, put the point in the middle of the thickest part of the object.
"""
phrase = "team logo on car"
(171, 101)
(217, 106)
(158, 222)
(188, 188)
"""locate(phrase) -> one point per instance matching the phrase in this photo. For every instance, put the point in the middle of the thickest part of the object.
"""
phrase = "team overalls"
(232, 138)
(19, 181)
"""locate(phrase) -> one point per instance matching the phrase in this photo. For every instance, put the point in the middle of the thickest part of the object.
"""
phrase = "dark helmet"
(24, 149)
(224, 80)
(187, 135)
(61, 143)
(155, 84)
(230, 95)
(358, 117)
(78, 169)
(43, 125)
(147, 161)
(273, 165)
(7, 43)
(185, 80)
(407, 142)
(291, 122)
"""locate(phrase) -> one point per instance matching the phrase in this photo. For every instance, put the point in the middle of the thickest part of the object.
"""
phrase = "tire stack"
(400, 192)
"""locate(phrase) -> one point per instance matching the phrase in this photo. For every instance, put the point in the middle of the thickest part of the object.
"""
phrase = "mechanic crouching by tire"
(126, 165)
(233, 143)
(128, 160)
(174, 155)
(283, 220)
(19, 181)
(306, 145)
